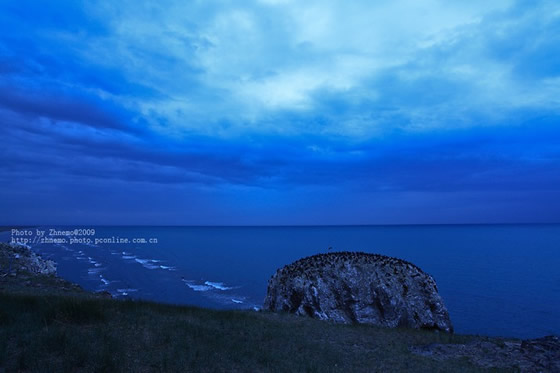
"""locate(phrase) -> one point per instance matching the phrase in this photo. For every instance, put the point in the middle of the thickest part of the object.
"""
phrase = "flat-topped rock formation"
(355, 287)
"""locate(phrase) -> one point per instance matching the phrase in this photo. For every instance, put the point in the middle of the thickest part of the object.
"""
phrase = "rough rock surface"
(24, 272)
(358, 287)
(16, 258)
(533, 355)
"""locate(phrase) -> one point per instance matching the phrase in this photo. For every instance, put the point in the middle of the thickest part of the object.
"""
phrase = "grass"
(76, 333)
(50, 325)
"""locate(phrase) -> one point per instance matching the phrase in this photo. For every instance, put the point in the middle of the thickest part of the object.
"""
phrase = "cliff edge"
(22, 271)
(19, 258)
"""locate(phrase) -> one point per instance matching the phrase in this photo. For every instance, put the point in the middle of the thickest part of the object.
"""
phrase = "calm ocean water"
(499, 280)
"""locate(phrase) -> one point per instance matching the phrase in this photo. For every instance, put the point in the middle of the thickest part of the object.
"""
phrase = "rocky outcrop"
(24, 272)
(532, 355)
(353, 287)
(17, 258)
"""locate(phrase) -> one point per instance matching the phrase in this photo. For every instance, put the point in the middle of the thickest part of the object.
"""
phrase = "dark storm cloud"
(60, 107)
(246, 107)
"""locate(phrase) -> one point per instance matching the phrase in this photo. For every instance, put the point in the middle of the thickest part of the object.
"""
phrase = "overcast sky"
(279, 112)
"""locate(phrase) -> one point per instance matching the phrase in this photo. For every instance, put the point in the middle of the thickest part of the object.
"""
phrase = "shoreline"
(541, 354)
(502, 334)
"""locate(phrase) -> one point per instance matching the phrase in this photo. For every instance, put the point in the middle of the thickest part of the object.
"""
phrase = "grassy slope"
(76, 331)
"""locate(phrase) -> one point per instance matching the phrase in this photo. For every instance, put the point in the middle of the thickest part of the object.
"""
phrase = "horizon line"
(4, 227)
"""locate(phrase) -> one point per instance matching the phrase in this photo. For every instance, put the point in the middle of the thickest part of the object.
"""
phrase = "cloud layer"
(274, 111)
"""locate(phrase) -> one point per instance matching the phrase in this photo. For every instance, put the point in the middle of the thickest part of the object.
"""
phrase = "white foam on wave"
(230, 300)
(199, 287)
(214, 291)
(217, 285)
(196, 287)
(93, 271)
(206, 286)
(104, 280)
(147, 263)
(125, 292)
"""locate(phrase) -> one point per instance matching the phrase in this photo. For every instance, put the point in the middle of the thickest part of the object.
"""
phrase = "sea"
(496, 280)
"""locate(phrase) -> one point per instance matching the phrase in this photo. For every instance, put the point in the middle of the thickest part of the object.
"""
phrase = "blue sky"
(279, 112)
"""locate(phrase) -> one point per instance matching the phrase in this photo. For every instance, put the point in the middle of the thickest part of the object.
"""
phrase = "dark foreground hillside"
(69, 333)
(50, 325)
